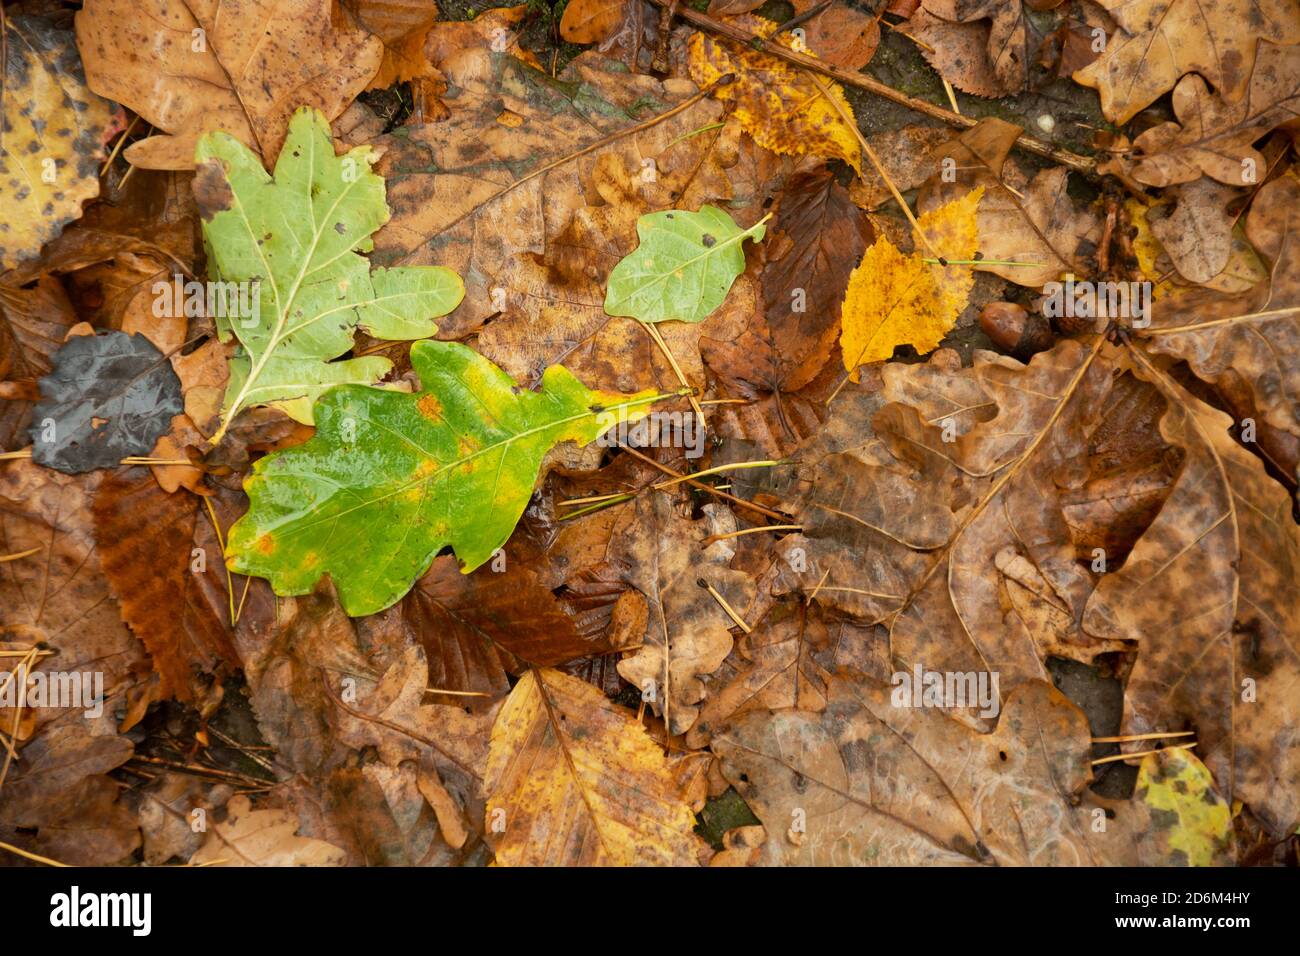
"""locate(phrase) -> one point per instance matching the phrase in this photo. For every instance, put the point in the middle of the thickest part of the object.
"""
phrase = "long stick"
(1081, 164)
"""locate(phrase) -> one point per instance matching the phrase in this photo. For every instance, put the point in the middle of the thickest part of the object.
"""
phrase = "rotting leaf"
(1191, 822)
(782, 106)
(688, 634)
(1161, 40)
(1209, 593)
(54, 132)
(885, 785)
(107, 396)
(248, 837)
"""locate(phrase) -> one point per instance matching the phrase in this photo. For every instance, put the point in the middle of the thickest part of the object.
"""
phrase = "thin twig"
(722, 602)
(1081, 164)
(1141, 753)
(701, 485)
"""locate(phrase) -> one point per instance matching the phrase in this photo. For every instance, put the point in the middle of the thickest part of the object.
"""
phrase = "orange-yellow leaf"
(783, 107)
(900, 299)
(574, 780)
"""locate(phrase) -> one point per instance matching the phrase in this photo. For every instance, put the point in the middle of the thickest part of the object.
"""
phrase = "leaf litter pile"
(623, 432)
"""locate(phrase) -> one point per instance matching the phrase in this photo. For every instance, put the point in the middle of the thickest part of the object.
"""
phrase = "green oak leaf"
(683, 267)
(296, 239)
(390, 478)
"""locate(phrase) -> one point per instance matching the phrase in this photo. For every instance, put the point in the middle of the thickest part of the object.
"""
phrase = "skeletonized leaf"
(577, 781)
(390, 478)
(299, 236)
(53, 141)
(107, 397)
(683, 267)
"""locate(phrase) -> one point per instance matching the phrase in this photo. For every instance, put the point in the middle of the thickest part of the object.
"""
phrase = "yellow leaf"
(777, 103)
(1191, 824)
(53, 137)
(899, 299)
(574, 780)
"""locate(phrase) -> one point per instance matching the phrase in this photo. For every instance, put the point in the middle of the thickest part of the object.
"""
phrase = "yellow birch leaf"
(574, 780)
(777, 103)
(897, 299)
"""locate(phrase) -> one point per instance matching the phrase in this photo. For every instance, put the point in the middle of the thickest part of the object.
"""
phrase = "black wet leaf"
(108, 396)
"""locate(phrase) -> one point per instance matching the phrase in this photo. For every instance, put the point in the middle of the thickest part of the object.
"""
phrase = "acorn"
(1015, 330)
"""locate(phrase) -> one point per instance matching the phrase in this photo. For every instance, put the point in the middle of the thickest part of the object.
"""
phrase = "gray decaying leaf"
(109, 396)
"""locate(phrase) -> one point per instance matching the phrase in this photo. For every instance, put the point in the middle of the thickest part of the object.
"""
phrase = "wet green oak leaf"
(1191, 824)
(296, 239)
(683, 267)
(391, 478)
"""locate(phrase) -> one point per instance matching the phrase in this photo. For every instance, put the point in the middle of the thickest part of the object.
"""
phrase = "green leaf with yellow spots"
(683, 267)
(1190, 823)
(293, 285)
(391, 478)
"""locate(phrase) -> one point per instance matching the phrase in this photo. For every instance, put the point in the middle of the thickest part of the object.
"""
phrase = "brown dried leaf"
(244, 71)
(1044, 229)
(576, 781)
(1161, 40)
(1215, 136)
(1210, 595)
(873, 784)
(248, 837)
(166, 568)
(1250, 336)
(512, 153)
(689, 634)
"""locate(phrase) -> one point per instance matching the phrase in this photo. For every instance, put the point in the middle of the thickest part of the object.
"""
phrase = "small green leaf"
(682, 269)
(299, 236)
(391, 478)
